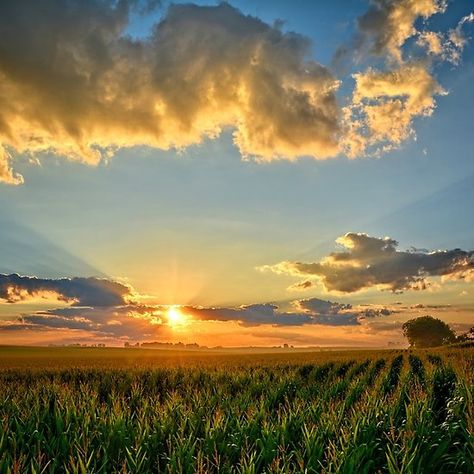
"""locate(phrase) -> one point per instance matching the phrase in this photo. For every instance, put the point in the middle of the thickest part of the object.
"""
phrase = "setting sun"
(175, 316)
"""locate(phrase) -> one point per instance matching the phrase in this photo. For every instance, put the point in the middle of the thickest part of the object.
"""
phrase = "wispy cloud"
(128, 321)
(449, 45)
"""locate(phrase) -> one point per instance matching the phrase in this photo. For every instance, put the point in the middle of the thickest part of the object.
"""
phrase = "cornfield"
(345, 412)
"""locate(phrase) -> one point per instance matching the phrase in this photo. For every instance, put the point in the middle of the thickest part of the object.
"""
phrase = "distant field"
(13, 357)
(143, 410)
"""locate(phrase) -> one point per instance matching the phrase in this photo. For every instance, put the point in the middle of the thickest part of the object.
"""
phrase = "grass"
(116, 410)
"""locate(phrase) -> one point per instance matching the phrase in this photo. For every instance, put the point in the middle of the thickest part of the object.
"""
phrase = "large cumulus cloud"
(370, 262)
(73, 83)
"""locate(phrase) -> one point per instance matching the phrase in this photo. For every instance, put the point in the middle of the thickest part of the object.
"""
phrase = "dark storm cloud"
(375, 262)
(80, 291)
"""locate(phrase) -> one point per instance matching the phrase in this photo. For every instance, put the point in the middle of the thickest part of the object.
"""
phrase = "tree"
(428, 332)
(467, 336)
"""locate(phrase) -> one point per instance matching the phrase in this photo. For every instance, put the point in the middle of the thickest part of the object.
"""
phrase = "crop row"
(398, 414)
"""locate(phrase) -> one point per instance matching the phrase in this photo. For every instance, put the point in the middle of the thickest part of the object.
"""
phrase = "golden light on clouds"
(169, 91)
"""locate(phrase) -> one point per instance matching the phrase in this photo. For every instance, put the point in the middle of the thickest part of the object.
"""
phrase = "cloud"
(249, 315)
(147, 322)
(108, 310)
(432, 41)
(457, 40)
(52, 321)
(328, 313)
(447, 46)
(385, 104)
(138, 321)
(7, 175)
(370, 262)
(74, 84)
(20, 325)
(128, 321)
(301, 285)
(318, 306)
(311, 311)
(388, 24)
(80, 291)
(377, 312)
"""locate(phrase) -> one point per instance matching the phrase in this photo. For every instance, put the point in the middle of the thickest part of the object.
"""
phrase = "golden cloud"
(388, 24)
(71, 83)
(385, 105)
(74, 84)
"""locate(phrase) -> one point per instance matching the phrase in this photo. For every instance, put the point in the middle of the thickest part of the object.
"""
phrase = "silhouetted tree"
(428, 332)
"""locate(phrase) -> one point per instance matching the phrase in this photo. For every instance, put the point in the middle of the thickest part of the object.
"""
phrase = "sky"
(236, 174)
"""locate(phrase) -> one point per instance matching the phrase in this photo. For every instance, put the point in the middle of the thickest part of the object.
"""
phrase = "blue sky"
(190, 226)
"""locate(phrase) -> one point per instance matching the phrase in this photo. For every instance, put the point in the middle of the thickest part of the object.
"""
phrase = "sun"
(175, 316)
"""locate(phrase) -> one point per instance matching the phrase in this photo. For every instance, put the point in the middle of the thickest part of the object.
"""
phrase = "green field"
(138, 410)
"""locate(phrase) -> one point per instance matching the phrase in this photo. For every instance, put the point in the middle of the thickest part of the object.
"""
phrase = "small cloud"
(301, 286)
(387, 25)
(317, 306)
(384, 105)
